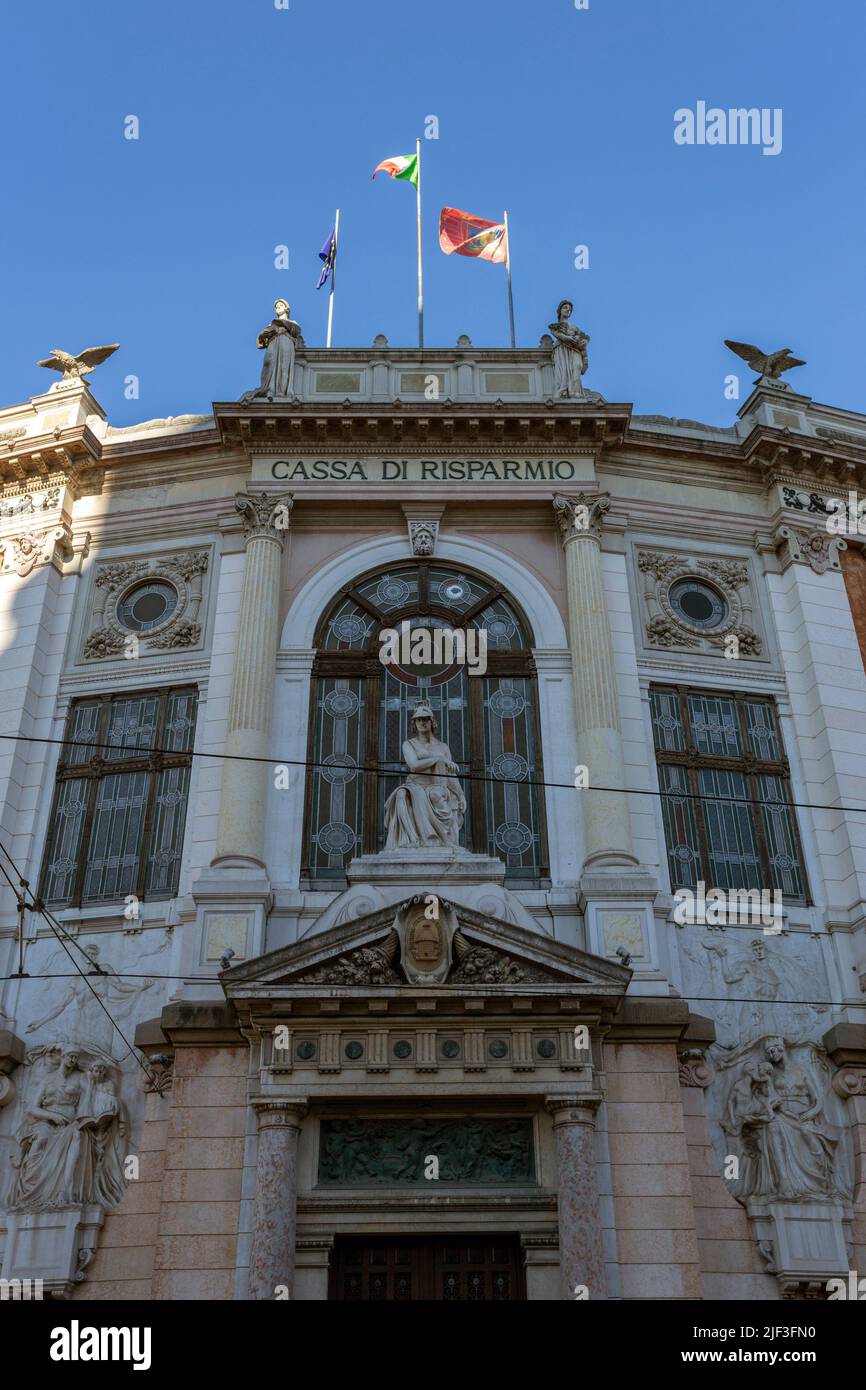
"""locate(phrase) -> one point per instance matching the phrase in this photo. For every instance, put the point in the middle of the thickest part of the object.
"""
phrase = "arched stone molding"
(555, 702)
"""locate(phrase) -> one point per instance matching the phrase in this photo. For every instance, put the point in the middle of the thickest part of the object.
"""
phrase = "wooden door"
(461, 1269)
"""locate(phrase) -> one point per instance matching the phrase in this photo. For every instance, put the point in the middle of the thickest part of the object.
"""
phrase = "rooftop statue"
(570, 359)
(75, 367)
(278, 369)
(766, 364)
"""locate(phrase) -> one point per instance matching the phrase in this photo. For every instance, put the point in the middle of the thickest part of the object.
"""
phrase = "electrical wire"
(379, 770)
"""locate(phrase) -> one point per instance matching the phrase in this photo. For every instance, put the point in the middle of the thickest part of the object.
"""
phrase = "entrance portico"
(463, 1110)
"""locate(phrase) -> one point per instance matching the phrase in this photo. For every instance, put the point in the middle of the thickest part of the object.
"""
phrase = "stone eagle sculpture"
(79, 365)
(771, 364)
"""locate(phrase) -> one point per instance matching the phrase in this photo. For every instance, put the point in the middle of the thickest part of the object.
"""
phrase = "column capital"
(264, 515)
(580, 516)
(279, 1114)
(573, 1109)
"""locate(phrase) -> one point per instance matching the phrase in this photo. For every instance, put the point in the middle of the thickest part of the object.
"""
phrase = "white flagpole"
(420, 272)
(508, 274)
(333, 277)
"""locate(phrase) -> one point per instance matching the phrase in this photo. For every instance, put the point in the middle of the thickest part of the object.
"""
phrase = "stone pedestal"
(581, 1251)
(54, 1247)
(272, 1259)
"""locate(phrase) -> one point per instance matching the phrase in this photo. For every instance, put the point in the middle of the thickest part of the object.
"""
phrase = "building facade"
(521, 957)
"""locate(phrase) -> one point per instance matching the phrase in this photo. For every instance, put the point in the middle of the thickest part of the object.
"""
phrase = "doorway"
(438, 1269)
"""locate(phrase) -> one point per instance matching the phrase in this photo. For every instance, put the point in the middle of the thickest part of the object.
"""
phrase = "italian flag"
(400, 166)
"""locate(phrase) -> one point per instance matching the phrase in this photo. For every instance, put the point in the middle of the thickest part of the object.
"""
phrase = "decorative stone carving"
(768, 365)
(482, 965)
(776, 1121)
(428, 808)
(34, 548)
(754, 988)
(84, 1023)
(70, 1149)
(363, 1153)
(29, 502)
(816, 548)
(422, 537)
(184, 571)
(425, 925)
(159, 1077)
(582, 515)
(694, 1070)
(263, 514)
(369, 965)
(666, 626)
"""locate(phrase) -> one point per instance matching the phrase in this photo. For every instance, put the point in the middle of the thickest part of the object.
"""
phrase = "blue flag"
(328, 254)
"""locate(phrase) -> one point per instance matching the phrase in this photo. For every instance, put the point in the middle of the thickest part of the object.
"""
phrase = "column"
(599, 743)
(581, 1252)
(241, 834)
(272, 1258)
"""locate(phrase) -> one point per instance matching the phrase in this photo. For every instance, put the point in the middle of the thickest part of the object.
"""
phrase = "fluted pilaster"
(244, 787)
(599, 742)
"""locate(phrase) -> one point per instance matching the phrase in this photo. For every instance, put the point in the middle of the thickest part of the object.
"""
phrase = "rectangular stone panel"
(364, 1153)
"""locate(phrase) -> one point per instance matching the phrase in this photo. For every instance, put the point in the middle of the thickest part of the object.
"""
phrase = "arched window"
(361, 708)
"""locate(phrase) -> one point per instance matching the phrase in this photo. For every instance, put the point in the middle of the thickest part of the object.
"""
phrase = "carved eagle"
(771, 364)
(79, 365)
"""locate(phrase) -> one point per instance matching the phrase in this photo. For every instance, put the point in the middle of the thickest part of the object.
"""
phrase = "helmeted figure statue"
(428, 808)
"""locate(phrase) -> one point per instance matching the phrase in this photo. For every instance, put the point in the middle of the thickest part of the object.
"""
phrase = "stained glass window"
(726, 798)
(120, 806)
(362, 708)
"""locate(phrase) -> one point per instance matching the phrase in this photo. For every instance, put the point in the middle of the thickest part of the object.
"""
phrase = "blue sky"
(256, 123)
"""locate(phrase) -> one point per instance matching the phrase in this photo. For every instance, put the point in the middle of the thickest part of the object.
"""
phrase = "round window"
(698, 604)
(146, 606)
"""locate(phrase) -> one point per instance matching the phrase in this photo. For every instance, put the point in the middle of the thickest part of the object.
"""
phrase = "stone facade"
(496, 1066)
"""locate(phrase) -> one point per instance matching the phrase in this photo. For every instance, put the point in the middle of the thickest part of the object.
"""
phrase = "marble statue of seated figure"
(428, 808)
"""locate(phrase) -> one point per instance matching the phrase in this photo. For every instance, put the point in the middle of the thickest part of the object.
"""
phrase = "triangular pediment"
(477, 951)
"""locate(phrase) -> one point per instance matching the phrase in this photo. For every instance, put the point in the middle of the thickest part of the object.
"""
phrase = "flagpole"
(420, 271)
(508, 274)
(333, 278)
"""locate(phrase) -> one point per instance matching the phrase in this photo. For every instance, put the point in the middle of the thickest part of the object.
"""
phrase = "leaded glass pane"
(715, 726)
(454, 590)
(778, 823)
(681, 833)
(349, 628)
(513, 829)
(132, 726)
(114, 851)
(337, 787)
(65, 845)
(761, 726)
(391, 591)
(500, 622)
(179, 728)
(667, 721)
(83, 731)
(734, 861)
(166, 837)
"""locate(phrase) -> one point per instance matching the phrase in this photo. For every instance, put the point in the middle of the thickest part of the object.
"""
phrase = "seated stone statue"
(428, 808)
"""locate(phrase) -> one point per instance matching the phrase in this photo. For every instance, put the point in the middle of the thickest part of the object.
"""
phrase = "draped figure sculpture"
(69, 1149)
(570, 359)
(428, 808)
(278, 368)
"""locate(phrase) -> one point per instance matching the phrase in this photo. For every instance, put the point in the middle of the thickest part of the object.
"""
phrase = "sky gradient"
(255, 123)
